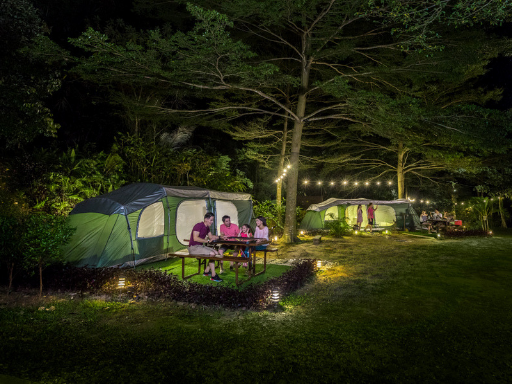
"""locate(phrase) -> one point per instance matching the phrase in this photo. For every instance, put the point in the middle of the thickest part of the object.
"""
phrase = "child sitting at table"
(245, 232)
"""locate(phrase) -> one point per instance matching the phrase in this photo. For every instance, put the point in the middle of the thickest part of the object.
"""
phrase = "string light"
(366, 183)
(319, 182)
(332, 183)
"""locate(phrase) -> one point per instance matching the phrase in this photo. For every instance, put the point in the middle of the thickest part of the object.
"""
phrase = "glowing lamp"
(319, 263)
(355, 232)
(288, 166)
(275, 296)
(121, 282)
(389, 183)
(378, 183)
(438, 235)
(302, 233)
(345, 182)
(275, 238)
(366, 183)
(490, 233)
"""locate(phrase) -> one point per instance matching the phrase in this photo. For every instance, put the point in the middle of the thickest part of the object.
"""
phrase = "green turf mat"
(174, 266)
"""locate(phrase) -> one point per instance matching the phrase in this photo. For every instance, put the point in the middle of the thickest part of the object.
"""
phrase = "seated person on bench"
(228, 229)
(200, 235)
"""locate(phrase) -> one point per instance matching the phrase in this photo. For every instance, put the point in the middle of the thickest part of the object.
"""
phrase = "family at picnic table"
(429, 221)
(201, 235)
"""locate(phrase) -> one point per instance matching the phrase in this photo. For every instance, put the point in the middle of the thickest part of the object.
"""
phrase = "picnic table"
(439, 224)
(248, 242)
(233, 241)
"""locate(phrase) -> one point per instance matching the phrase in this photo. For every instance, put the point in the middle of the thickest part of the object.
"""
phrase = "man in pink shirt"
(226, 230)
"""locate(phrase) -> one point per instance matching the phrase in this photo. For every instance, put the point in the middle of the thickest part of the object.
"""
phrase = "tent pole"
(130, 234)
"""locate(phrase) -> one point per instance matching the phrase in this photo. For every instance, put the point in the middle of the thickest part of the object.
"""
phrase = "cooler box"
(457, 222)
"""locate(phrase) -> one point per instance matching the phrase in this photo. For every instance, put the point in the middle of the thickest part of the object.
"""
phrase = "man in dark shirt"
(201, 235)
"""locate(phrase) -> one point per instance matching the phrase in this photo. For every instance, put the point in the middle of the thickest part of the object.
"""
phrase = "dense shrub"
(337, 227)
(275, 214)
(157, 284)
(467, 233)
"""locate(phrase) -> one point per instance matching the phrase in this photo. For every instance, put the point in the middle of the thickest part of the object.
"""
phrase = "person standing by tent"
(359, 217)
(201, 235)
(227, 230)
(370, 216)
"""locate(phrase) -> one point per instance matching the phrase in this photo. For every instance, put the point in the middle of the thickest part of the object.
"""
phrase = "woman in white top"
(261, 232)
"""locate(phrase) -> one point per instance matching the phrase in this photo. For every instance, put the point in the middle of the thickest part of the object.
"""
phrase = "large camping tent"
(390, 213)
(142, 221)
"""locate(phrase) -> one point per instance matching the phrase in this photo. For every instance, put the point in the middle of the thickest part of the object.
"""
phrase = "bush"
(337, 227)
(467, 233)
(272, 213)
(157, 284)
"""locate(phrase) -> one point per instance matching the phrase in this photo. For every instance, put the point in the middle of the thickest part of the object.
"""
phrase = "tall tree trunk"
(40, 280)
(279, 184)
(400, 171)
(501, 212)
(289, 229)
(11, 271)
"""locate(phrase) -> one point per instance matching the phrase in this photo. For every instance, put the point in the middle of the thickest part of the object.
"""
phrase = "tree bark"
(501, 212)
(40, 280)
(400, 171)
(279, 184)
(11, 270)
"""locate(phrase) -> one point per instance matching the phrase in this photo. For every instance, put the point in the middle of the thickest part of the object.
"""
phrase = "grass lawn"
(393, 309)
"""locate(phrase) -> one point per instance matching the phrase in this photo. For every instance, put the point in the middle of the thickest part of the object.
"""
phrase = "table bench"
(202, 259)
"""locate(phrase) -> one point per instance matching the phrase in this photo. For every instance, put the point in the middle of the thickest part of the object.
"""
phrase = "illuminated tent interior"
(391, 214)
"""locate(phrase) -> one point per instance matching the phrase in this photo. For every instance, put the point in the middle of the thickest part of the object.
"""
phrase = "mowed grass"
(394, 309)
(174, 266)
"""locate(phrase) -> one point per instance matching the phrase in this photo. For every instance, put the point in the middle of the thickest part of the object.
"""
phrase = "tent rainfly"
(145, 221)
(390, 213)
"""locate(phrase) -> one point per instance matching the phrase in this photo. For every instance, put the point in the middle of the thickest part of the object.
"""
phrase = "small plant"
(42, 241)
(337, 227)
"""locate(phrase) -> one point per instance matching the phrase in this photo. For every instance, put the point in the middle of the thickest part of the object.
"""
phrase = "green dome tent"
(145, 221)
(390, 213)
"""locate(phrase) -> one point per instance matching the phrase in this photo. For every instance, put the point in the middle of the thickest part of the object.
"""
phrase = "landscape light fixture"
(306, 182)
(275, 238)
(355, 232)
(121, 282)
(366, 183)
(302, 233)
(319, 263)
(378, 183)
(491, 233)
(275, 296)
(389, 183)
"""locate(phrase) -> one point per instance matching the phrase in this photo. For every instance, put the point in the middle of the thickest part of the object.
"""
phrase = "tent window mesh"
(188, 214)
(151, 221)
(229, 209)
